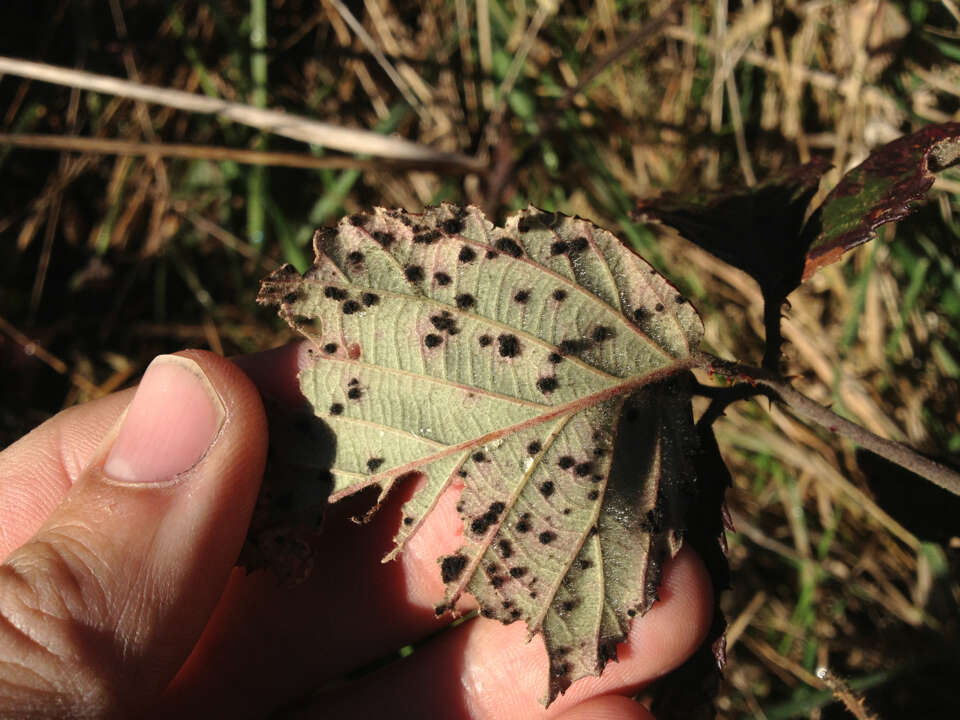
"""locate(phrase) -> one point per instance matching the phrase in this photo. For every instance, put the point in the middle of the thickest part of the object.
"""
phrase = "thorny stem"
(779, 389)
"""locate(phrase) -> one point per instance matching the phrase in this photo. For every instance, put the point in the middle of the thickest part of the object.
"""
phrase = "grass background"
(108, 260)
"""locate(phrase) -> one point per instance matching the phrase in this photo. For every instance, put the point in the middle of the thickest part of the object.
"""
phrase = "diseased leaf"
(540, 367)
(878, 191)
(755, 229)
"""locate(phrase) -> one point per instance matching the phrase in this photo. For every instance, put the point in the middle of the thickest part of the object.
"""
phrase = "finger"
(104, 603)
(484, 670)
(38, 469)
(608, 707)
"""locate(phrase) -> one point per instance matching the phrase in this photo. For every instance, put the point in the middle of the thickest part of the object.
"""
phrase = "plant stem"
(805, 408)
(257, 175)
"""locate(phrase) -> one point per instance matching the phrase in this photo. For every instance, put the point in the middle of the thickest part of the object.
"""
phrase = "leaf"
(878, 191)
(542, 368)
(755, 229)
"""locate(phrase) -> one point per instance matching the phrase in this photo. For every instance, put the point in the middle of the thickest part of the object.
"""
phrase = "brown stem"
(805, 408)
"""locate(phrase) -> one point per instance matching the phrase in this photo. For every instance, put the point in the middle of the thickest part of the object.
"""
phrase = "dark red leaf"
(755, 229)
(878, 191)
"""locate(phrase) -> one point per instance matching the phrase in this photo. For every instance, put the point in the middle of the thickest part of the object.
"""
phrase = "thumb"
(101, 607)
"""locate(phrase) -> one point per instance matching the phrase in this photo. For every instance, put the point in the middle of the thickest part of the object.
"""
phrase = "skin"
(121, 601)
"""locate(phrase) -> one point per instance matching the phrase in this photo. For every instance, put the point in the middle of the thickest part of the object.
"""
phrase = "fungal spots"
(462, 473)
(559, 247)
(444, 322)
(350, 307)
(481, 523)
(601, 333)
(522, 296)
(567, 511)
(524, 225)
(641, 315)
(523, 524)
(555, 358)
(425, 238)
(358, 220)
(413, 273)
(484, 340)
(679, 299)
(452, 226)
(465, 300)
(583, 469)
(291, 297)
(432, 340)
(659, 307)
(548, 384)
(479, 457)
(631, 612)
(452, 566)
(467, 254)
(408, 520)
(373, 463)
(505, 548)
(355, 257)
(330, 348)
(442, 279)
(559, 294)
(487, 613)
(491, 255)
(593, 495)
(567, 606)
(546, 537)
(572, 347)
(585, 563)
(334, 293)
(508, 345)
(546, 489)
(509, 247)
(518, 572)
(353, 381)
(370, 299)
(496, 581)
(566, 462)
(336, 409)
(354, 393)
(515, 613)
(534, 447)
(385, 239)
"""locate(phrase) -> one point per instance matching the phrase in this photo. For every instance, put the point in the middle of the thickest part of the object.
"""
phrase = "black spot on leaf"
(355, 257)
(370, 299)
(354, 393)
(291, 297)
(524, 225)
(487, 613)
(465, 300)
(467, 254)
(584, 468)
(478, 457)
(659, 307)
(546, 537)
(601, 333)
(547, 385)
(336, 409)
(484, 340)
(517, 572)
(567, 606)
(559, 247)
(506, 549)
(679, 299)
(334, 293)
(496, 581)
(559, 294)
(384, 238)
(373, 463)
(452, 226)
(509, 345)
(330, 348)
(432, 340)
(522, 526)
(350, 307)
(593, 495)
(579, 245)
(358, 220)
(509, 247)
(631, 612)
(521, 296)
(566, 462)
(641, 315)
(546, 489)
(442, 279)
(555, 358)
(353, 381)
(408, 521)
(534, 447)
(497, 507)
(492, 255)
(425, 238)
(451, 567)
(413, 273)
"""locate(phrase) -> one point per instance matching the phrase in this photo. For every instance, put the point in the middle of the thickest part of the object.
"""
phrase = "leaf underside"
(541, 367)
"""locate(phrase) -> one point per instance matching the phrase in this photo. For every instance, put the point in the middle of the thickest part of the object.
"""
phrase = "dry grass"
(113, 252)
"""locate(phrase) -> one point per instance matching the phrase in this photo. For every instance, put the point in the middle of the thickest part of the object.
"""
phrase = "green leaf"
(541, 367)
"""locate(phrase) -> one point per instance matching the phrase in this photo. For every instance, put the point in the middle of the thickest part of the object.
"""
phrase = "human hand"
(119, 596)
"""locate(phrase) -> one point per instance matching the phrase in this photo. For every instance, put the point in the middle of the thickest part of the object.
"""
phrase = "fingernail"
(174, 418)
